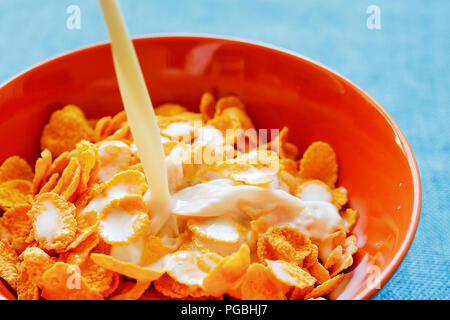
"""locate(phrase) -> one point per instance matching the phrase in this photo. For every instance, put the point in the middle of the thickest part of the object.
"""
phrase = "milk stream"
(141, 116)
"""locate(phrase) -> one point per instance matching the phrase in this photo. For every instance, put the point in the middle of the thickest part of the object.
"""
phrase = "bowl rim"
(401, 140)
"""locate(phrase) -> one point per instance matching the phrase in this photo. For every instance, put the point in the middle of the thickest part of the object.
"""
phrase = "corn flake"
(351, 218)
(314, 190)
(50, 184)
(325, 288)
(26, 289)
(340, 198)
(124, 220)
(97, 278)
(115, 156)
(68, 183)
(17, 225)
(40, 172)
(207, 106)
(259, 283)
(35, 262)
(15, 168)
(290, 274)
(14, 193)
(53, 222)
(128, 269)
(87, 155)
(66, 128)
(79, 250)
(169, 109)
(9, 263)
(64, 282)
(133, 293)
(319, 163)
(285, 243)
(59, 164)
(174, 289)
(227, 272)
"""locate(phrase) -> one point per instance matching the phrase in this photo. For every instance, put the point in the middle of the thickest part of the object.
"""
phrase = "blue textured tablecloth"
(404, 66)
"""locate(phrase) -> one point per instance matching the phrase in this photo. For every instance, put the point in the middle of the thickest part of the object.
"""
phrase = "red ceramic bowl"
(279, 88)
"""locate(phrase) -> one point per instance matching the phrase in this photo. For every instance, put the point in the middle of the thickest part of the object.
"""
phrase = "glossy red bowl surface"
(279, 88)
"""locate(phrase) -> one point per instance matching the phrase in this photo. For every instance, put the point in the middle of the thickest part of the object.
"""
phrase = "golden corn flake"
(257, 226)
(26, 289)
(174, 289)
(101, 130)
(79, 250)
(154, 249)
(228, 102)
(129, 182)
(124, 133)
(314, 190)
(87, 226)
(50, 184)
(207, 106)
(290, 274)
(330, 243)
(87, 220)
(350, 245)
(318, 271)
(96, 277)
(132, 181)
(319, 163)
(124, 220)
(340, 198)
(227, 272)
(254, 168)
(115, 156)
(54, 225)
(87, 156)
(183, 119)
(15, 168)
(9, 263)
(118, 121)
(169, 109)
(284, 243)
(334, 257)
(68, 183)
(64, 282)
(128, 269)
(59, 164)
(35, 262)
(66, 128)
(16, 225)
(325, 288)
(345, 260)
(113, 285)
(351, 218)
(279, 144)
(184, 266)
(221, 229)
(133, 293)
(259, 283)
(14, 193)
(40, 172)
(207, 261)
(230, 115)
(300, 293)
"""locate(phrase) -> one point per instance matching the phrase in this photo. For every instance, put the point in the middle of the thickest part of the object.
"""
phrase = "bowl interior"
(279, 89)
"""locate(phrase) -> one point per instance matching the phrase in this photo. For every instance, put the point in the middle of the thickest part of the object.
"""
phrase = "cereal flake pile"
(64, 225)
